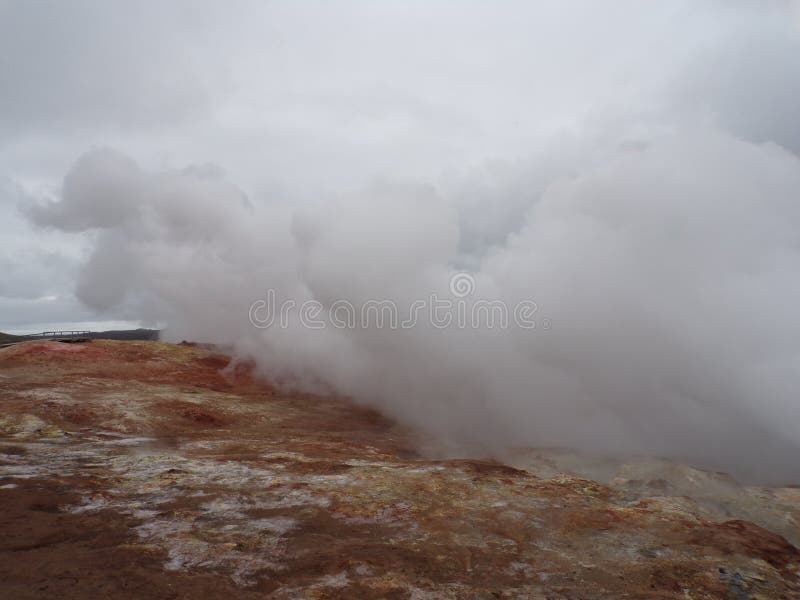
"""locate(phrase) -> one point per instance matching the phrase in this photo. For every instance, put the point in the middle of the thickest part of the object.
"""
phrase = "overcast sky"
(632, 166)
(298, 100)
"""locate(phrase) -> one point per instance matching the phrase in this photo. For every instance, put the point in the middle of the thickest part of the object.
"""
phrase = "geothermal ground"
(150, 470)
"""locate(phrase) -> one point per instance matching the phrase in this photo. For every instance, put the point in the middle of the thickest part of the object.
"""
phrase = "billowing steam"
(662, 253)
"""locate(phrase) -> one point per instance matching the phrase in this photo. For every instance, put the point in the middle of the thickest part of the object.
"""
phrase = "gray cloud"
(99, 192)
(68, 67)
(749, 83)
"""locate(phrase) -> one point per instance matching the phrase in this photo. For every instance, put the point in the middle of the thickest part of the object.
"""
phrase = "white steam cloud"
(664, 249)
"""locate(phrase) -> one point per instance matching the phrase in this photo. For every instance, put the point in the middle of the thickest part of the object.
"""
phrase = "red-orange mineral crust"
(152, 470)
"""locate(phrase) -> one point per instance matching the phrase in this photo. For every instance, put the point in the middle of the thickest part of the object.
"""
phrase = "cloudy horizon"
(407, 91)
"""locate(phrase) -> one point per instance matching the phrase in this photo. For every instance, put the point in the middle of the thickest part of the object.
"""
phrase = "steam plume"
(662, 246)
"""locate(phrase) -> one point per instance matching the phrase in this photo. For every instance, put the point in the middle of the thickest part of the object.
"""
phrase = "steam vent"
(479, 300)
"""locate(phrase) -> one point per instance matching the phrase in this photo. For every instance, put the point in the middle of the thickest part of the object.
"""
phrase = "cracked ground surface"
(154, 470)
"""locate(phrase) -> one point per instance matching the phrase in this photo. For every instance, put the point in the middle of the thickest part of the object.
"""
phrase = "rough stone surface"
(151, 470)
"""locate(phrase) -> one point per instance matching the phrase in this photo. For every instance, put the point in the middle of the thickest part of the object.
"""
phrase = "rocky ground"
(150, 470)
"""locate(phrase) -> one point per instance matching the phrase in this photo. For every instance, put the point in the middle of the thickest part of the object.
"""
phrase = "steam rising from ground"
(664, 249)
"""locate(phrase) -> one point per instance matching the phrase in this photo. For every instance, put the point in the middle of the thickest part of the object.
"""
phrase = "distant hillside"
(7, 337)
(126, 334)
